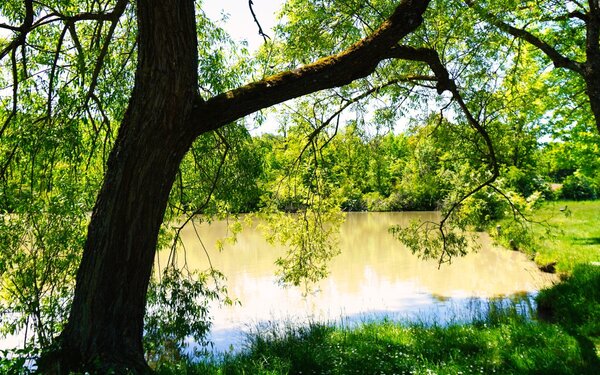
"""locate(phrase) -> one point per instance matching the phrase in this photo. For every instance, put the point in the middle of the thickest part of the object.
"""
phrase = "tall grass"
(501, 341)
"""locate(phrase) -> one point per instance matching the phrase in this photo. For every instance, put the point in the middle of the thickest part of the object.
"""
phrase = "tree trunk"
(591, 69)
(105, 326)
(592, 82)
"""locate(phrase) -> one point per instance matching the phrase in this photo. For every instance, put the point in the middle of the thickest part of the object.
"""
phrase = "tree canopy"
(138, 113)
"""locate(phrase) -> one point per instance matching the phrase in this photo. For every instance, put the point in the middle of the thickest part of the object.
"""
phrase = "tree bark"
(105, 327)
(591, 71)
(164, 116)
(592, 82)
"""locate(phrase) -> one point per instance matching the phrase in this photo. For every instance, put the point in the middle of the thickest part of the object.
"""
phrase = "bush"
(375, 202)
(352, 200)
(579, 187)
(482, 209)
(527, 182)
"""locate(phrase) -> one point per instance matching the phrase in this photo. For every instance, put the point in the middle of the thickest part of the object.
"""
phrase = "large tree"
(164, 115)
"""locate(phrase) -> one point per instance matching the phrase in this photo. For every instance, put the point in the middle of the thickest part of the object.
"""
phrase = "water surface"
(375, 276)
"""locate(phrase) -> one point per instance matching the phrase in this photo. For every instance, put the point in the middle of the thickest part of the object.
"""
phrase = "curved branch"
(13, 111)
(29, 24)
(53, 70)
(358, 61)
(25, 27)
(260, 29)
(559, 60)
(102, 56)
(445, 83)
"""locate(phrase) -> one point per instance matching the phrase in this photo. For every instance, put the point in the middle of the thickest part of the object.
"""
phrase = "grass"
(574, 305)
(509, 346)
(572, 237)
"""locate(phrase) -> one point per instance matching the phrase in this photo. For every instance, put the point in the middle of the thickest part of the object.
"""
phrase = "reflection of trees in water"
(370, 256)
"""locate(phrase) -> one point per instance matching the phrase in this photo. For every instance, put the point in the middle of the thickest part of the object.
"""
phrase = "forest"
(121, 122)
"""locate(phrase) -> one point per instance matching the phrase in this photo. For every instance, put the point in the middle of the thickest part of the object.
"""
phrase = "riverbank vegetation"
(565, 234)
(565, 339)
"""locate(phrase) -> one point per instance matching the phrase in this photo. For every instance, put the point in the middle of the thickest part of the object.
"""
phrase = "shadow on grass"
(587, 241)
(574, 305)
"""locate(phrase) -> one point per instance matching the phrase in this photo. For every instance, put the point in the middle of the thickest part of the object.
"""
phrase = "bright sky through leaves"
(239, 23)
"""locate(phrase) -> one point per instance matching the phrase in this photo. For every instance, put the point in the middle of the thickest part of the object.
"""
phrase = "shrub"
(579, 187)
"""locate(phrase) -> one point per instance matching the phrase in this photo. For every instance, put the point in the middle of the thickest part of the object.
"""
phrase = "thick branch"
(575, 14)
(358, 61)
(113, 16)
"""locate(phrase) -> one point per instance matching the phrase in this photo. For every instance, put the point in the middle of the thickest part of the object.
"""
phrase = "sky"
(241, 26)
(240, 23)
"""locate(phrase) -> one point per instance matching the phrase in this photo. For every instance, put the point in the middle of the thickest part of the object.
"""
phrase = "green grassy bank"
(568, 233)
(502, 343)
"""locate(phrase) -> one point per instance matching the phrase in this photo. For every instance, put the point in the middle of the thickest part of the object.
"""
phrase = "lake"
(374, 277)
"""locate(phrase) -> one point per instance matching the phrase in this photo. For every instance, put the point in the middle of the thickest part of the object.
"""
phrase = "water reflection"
(373, 277)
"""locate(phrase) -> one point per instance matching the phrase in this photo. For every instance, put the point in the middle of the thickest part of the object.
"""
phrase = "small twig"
(260, 29)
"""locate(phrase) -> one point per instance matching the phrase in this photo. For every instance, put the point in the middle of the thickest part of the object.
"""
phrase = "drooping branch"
(59, 44)
(446, 83)
(29, 24)
(356, 62)
(19, 40)
(103, 53)
(15, 77)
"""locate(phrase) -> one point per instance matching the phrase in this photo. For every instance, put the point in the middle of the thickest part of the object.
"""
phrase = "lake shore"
(502, 342)
(564, 338)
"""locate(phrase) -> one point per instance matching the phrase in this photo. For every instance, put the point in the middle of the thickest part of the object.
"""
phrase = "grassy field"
(568, 237)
